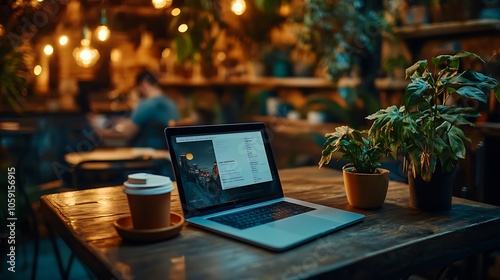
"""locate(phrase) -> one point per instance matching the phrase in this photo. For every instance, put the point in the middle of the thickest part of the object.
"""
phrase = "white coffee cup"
(149, 200)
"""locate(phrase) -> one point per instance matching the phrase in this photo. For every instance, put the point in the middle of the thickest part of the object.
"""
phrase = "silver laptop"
(228, 183)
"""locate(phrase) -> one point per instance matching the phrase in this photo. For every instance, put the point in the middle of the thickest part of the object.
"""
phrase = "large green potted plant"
(425, 129)
(365, 183)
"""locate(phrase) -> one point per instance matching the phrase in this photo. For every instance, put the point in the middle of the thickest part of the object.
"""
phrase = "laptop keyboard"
(261, 215)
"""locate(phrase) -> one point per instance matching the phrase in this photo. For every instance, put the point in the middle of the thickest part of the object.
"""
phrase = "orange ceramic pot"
(366, 191)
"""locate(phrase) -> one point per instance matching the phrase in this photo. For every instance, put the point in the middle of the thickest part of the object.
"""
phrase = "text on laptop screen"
(222, 168)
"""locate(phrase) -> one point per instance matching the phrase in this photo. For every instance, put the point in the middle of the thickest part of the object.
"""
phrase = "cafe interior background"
(302, 67)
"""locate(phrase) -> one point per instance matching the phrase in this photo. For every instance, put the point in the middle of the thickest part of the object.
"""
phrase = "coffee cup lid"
(147, 184)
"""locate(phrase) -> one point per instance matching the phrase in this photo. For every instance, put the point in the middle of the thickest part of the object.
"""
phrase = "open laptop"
(228, 183)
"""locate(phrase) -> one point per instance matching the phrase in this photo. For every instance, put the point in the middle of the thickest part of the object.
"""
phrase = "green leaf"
(455, 136)
(471, 78)
(440, 59)
(453, 114)
(463, 54)
(472, 92)
(414, 93)
(440, 144)
(416, 69)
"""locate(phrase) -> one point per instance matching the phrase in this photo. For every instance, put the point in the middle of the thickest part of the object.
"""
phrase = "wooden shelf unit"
(423, 31)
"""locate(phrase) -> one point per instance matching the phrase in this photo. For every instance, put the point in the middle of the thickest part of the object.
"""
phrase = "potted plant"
(425, 128)
(365, 183)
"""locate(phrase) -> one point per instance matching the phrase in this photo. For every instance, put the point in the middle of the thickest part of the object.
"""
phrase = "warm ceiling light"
(175, 12)
(37, 70)
(160, 4)
(48, 50)
(182, 28)
(238, 7)
(86, 55)
(63, 40)
(102, 32)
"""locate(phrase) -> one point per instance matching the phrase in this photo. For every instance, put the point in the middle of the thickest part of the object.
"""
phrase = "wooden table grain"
(394, 241)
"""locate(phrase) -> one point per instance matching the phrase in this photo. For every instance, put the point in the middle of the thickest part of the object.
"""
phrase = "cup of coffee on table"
(148, 198)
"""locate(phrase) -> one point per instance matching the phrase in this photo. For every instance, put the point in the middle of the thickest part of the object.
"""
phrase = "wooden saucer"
(126, 230)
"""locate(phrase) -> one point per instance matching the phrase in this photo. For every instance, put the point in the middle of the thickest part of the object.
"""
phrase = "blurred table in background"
(110, 154)
(105, 166)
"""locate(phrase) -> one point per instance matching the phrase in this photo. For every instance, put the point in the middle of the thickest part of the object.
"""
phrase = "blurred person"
(154, 111)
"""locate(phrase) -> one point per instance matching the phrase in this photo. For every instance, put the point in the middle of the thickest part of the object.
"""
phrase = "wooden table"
(391, 242)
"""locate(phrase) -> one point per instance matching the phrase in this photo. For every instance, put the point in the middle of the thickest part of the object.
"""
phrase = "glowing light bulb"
(48, 50)
(37, 70)
(238, 7)
(175, 12)
(63, 40)
(102, 32)
(160, 4)
(182, 28)
(85, 56)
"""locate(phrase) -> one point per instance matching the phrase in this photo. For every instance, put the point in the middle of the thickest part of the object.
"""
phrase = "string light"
(182, 28)
(238, 7)
(63, 40)
(48, 50)
(161, 4)
(175, 12)
(37, 70)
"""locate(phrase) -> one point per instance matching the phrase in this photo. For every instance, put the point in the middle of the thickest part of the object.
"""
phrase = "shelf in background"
(271, 82)
(295, 127)
(391, 84)
(447, 28)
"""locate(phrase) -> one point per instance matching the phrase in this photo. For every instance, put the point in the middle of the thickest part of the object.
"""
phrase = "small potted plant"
(365, 183)
(425, 128)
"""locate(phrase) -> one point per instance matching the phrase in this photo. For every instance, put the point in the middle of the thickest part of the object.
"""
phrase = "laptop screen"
(220, 167)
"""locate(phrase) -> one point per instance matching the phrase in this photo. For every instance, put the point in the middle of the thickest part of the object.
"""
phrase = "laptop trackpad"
(304, 224)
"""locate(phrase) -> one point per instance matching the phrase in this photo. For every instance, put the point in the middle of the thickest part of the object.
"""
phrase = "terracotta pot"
(366, 191)
(433, 196)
